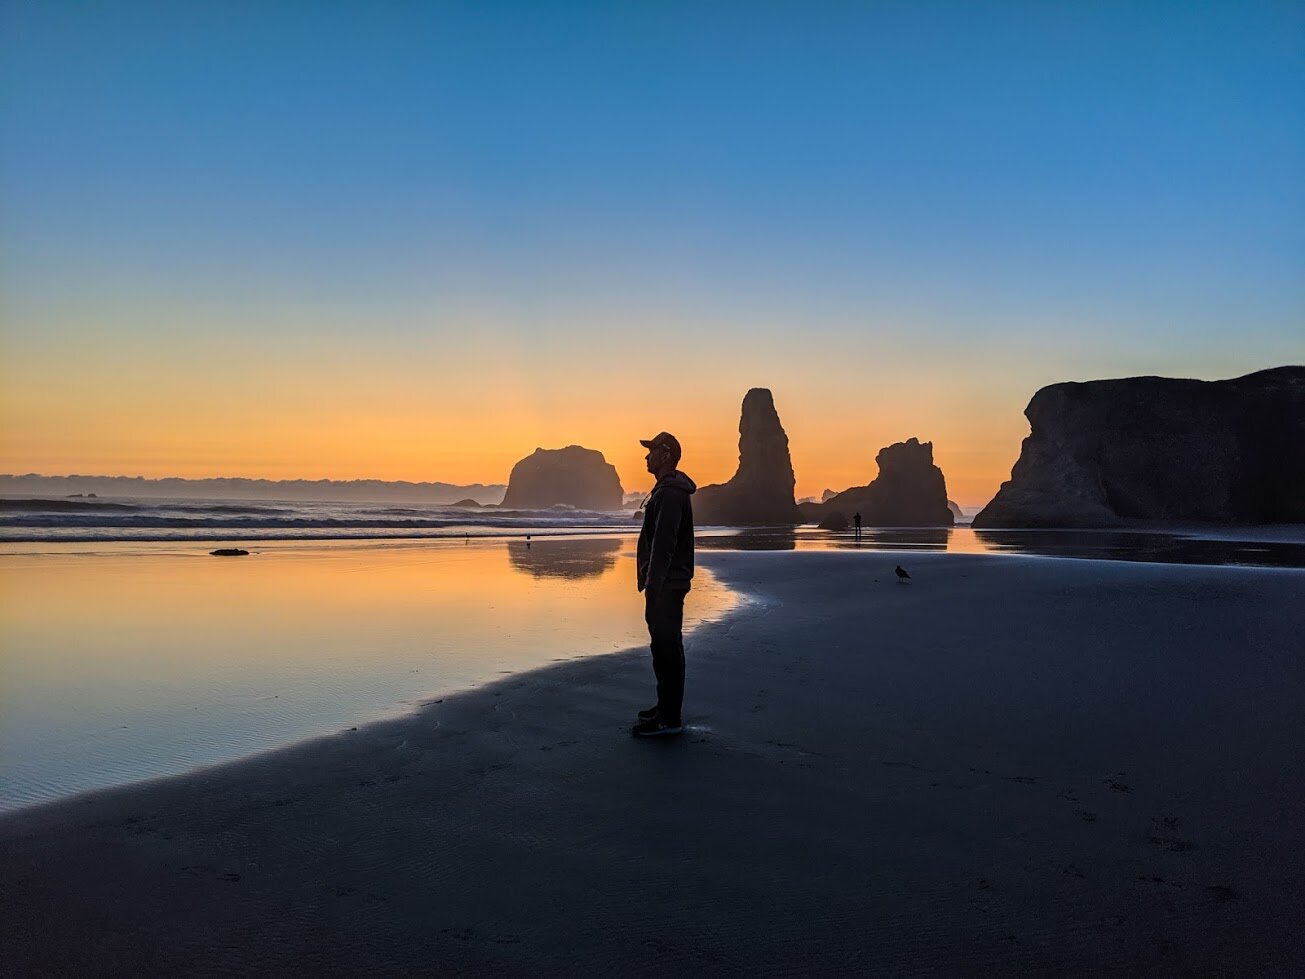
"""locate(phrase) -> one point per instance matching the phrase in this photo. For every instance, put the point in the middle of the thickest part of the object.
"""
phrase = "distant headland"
(240, 488)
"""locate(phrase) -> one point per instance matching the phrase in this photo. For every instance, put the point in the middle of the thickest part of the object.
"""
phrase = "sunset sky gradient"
(417, 240)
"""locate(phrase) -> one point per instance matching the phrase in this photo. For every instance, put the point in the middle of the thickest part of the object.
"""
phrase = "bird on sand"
(901, 573)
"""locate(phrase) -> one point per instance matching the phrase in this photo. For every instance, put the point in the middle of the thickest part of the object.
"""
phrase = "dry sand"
(1007, 764)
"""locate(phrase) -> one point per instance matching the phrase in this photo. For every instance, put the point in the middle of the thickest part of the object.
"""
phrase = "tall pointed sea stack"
(761, 492)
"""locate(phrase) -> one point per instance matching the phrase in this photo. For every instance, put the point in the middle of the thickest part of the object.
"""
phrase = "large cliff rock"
(573, 476)
(909, 491)
(1158, 449)
(761, 492)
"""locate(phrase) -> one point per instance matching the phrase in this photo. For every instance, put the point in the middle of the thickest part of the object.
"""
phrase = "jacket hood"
(678, 480)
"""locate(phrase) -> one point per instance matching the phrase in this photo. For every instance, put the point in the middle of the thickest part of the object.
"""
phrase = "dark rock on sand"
(761, 491)
(833, 520)
(1158, 449)
(811, 512)
(467, 504)
(910, 491)
(229, 552)
(573, 476)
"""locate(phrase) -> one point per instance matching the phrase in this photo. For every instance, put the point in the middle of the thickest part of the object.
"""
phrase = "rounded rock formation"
(910, 491)
(573, 477)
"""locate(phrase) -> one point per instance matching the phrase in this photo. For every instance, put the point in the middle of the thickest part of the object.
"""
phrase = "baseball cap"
(663, 440)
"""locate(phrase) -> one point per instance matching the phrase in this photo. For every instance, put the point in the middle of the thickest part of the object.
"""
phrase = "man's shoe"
(651, 714)
(656, 728)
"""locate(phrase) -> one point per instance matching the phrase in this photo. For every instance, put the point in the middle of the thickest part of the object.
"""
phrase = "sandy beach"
(1008, 764)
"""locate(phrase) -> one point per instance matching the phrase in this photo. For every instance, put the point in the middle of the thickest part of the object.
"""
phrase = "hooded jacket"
(665, 554)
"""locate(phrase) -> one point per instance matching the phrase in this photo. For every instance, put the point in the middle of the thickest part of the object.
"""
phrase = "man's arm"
(664, 535)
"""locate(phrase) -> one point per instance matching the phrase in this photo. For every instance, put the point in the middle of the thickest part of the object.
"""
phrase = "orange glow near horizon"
(336, 410)
(340, 444)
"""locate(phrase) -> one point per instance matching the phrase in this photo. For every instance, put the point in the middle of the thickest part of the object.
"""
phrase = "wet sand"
(1009, 763)
(130, 661)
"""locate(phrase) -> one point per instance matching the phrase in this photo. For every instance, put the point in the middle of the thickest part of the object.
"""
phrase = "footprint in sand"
(1157, 879)
(1166, 836)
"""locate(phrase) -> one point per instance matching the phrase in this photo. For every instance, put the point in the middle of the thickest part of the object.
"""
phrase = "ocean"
(84, 520)
(152, 519)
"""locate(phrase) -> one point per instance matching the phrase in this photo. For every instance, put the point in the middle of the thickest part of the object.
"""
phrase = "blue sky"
(1044, 191)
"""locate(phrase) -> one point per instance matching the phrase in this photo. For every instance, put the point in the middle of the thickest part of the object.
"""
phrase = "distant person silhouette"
(856, 519)
(665, 573)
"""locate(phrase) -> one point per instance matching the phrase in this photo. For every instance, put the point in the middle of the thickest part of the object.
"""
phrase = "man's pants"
(664, 613)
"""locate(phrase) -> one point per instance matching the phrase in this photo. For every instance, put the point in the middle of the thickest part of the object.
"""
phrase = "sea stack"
(761, 492)
(910, 491)
(1159, 450)
(573, 476)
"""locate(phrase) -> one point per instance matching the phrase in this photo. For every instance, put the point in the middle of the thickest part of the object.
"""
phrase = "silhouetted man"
(665, 571)
(856, 519)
